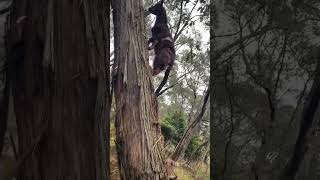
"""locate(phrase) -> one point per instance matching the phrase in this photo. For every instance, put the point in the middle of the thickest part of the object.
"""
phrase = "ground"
(184, 173)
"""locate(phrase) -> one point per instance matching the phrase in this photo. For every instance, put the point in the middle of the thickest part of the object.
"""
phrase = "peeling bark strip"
(137, 130)
(64, 88)
(48, 59)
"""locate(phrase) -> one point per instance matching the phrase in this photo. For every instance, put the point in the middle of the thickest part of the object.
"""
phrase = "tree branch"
(179, 31)
(225, 165)
(180, 18)
(218, 53)
(301, 146)
(6, 9)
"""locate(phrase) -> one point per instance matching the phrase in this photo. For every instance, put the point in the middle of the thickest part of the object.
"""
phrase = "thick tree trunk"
(57, 66)
(191, 130)
(137, 126)
(4, 97)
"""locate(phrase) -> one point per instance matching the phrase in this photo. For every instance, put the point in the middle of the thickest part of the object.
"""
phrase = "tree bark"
(139, 139)
(57, 56)
(192, 128)
(4, 103)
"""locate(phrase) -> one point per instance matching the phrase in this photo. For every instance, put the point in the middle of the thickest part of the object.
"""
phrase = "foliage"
(172, 127)
(196, 141)
(265, 56)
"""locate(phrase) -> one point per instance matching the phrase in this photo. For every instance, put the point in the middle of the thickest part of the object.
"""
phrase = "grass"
(113, 155)
(184, 173)
(200, 172)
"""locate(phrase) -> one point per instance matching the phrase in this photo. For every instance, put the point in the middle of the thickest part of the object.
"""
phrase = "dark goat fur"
(161, 40)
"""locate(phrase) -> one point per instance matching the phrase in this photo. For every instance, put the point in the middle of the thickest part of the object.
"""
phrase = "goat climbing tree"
(137, 127)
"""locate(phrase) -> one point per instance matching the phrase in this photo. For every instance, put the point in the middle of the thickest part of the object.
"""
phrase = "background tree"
(192, 129)
(263, 66)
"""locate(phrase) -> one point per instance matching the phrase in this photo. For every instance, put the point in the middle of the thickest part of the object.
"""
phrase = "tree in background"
(192, 129)
(264, 63)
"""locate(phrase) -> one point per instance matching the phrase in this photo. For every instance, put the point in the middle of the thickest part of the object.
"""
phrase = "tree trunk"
(59, 80)
(191, 130)
(137, 122)
(4, 97)
(4, 103)
(195, 152)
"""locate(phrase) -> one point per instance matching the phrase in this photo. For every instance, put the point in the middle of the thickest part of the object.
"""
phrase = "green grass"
(183, 173)
(201, 172)
(113, 155)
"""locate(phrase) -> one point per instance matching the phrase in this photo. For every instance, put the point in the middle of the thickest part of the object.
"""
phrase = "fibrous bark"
(137, 127)
(4, 103)
(57, 58)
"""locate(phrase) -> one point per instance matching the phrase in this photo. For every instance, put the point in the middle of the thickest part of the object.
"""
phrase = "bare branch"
(179, 31)
(180, 18)
(299, 101)
(218, 53)
(231, 124)
(307, 118)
